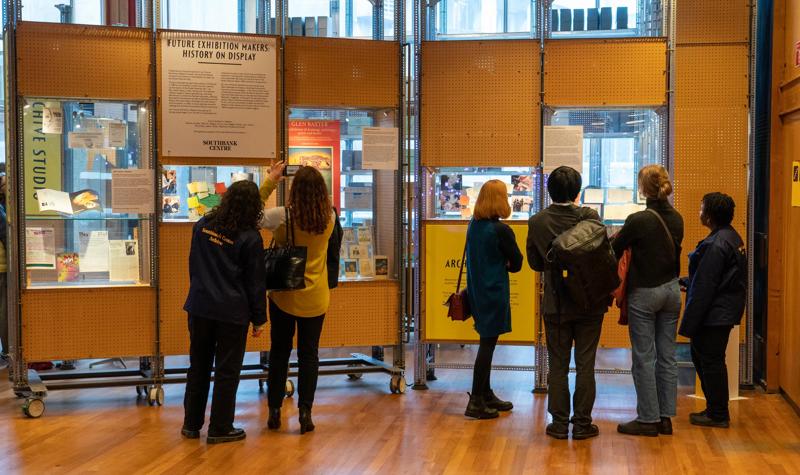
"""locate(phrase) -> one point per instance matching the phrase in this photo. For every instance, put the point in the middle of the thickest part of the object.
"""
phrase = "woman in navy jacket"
(226, 294)
(715, 302)
(492, 253)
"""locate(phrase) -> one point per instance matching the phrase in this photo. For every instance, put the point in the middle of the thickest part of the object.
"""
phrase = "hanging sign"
(42, 152)
(444, 244)
(219, 96)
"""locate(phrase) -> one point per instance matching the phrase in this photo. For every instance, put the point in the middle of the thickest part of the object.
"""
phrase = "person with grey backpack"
(654, 237)
(570, 245)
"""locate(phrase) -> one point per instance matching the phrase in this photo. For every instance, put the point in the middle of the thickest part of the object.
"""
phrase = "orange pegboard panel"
(604, 72)
(216, 161)
(614, 335)
(791, 36)
(480, 103)
(335, 72)
(88, 323)
(97, 62)
(702, 70)
(363, 314)
(713, 22)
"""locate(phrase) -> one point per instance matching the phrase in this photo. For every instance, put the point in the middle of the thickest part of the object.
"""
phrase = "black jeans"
(585, 333)
(309, 330)
(219, 345)
(482, 371)
(708, 356)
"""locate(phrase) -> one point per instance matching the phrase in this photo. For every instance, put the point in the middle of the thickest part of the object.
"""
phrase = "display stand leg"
(420, 367)
(430, 358)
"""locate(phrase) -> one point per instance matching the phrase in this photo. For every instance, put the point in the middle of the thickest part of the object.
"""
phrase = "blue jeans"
(652, 324)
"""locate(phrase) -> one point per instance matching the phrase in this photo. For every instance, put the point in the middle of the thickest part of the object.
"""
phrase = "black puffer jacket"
(717, 284)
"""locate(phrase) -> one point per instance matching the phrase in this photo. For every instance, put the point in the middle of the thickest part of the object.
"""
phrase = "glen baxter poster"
(218, 96)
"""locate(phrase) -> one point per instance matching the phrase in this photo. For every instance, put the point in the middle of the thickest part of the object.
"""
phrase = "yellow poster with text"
(444, 244)
(795, 183)
(42, 150)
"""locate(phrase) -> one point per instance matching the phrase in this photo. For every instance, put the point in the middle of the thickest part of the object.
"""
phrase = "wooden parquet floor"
(361, 428)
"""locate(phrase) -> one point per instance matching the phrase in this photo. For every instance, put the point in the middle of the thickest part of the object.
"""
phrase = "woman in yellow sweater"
(312, 219)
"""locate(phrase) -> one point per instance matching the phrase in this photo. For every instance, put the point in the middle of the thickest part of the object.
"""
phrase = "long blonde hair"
(654, 182)
(492, 201)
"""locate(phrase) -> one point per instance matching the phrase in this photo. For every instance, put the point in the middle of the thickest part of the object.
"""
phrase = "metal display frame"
(152, 373)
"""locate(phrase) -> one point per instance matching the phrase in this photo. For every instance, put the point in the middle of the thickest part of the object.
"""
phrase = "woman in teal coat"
(492, 253)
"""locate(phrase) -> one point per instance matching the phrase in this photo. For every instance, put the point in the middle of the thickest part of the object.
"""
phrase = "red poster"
(316, 143)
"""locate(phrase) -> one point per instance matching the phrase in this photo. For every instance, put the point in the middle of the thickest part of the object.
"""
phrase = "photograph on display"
(450, 193)
(169, 182)
(171, 204)
(365, 234)
(522, 182)
(521, 204)
(381, 267)
(351, 268)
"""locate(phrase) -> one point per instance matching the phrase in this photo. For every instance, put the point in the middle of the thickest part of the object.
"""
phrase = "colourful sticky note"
(193, 202)
(211, 201)
(202, 195)
(192, 187)
(202, 187)
(220, 188)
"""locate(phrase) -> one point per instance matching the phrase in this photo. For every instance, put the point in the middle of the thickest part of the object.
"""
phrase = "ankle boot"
(496, 403)
(274, 421)
(477, 408)
(306, 425)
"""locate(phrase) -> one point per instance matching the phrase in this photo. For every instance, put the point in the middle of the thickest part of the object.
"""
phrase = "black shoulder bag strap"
(289, 228)
(671, 239)
(461, 270)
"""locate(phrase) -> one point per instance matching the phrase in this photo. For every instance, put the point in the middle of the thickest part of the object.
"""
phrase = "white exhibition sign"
(563, 146)
(219, 96)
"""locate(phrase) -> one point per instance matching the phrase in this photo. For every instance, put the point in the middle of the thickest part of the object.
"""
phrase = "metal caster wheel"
(289, 388)
(33, 407)
(354, 376)
(261, 384)
(155, 396)
(397, 385)
(141, 392)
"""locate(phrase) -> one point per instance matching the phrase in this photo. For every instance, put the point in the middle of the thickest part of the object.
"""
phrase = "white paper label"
(92, 139)
(40, 248)
(124, 261)
(94, 250)
(52, 120)
(117, 135)
(380, 148)
(132, 191)
(563, 146)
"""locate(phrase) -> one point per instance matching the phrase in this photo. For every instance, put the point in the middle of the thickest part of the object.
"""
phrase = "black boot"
(665, 426)
(274, 421)
(477, 408)
(230, 436)
(306, 425)
(639, 428)
(495, 402)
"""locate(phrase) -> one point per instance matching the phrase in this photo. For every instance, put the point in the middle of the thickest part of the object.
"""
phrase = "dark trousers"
(585, 334)
(708, 356)
(282, 334)
(482, 371)
(219, 345)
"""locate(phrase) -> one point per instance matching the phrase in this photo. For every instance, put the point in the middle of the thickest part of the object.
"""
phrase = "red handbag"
(458, 302)
(621, 294)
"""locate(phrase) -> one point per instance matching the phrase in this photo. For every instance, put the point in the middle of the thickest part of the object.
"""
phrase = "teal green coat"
(492, 253)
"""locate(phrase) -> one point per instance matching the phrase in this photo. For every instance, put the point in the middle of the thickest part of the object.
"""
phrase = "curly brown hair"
(240, 210)
(309, 202)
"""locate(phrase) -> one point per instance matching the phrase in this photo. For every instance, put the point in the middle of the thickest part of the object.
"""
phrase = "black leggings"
(282, 331)
(483, 366)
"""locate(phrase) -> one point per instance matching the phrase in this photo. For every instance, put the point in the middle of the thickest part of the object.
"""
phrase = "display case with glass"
(616, 144)
(605, 18)
(455, 190)
(332, 141)
(87, 193)
(189, 192)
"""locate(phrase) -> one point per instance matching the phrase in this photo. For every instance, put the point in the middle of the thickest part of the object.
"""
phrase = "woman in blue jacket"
(226, 295)
(492, 253)
(715, 302)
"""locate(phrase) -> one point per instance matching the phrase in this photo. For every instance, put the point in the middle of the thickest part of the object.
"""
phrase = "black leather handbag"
(285, 265)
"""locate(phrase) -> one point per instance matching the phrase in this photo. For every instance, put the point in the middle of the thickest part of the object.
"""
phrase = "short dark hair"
(564, 185)
(718, 208)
